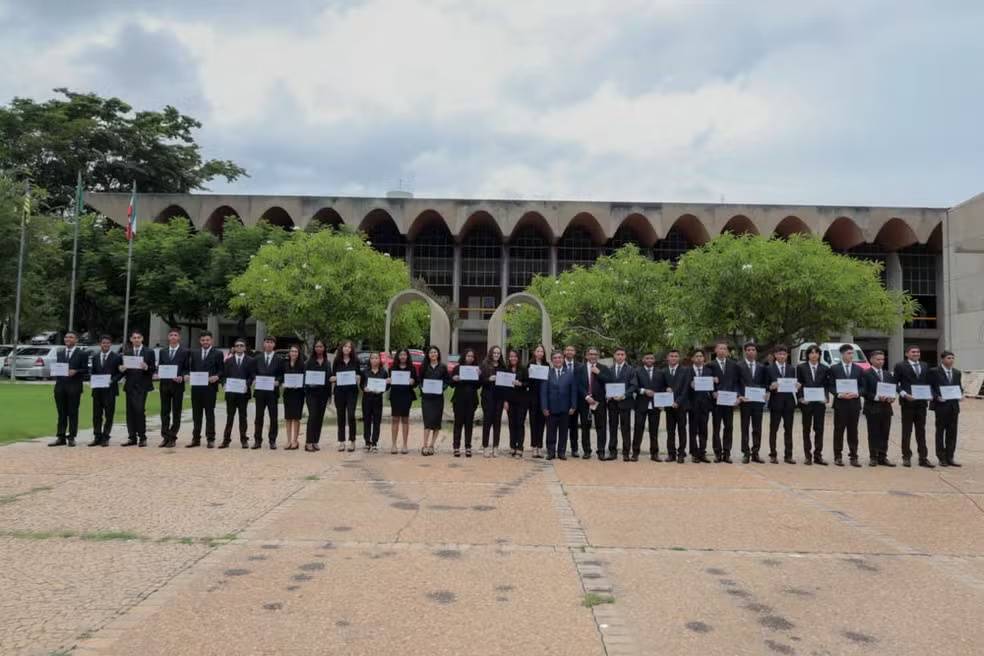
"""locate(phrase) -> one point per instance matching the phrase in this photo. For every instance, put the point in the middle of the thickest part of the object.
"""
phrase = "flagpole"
(131, 223)
(20, 275)
(75, 250)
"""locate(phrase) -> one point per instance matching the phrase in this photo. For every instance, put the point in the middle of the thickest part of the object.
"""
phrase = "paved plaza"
(194, 551)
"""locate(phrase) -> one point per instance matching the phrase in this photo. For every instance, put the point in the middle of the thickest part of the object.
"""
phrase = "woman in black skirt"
(317, 395)
(401, 398)
(464, 401)
(537, 422)
(492, 400)
(516, 403)
(432, 405)
(346, 396)
(372, 402)
(293, 398)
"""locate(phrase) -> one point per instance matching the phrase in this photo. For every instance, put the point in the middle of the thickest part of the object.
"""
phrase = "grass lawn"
(29, 410)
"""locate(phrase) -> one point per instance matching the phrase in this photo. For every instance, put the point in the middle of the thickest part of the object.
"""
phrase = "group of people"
(563, 400)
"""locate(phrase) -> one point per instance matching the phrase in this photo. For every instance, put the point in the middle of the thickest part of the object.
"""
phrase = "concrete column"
(553, 259)
(504, 282)
(409, 260)
(456, 277)
(893, 281)
(942, 342)
(158, 331)
(260, 335)
(212, 323)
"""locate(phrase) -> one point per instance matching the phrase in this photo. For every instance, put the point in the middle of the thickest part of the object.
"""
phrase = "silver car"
(32, 361)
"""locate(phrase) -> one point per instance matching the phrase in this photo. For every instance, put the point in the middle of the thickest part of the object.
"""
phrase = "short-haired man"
(812, 373)
(237, 366)
(104, 363)
(648, 380)
(591, 377)
(725, 373)
(782, 405)
(751, 374)
(68, 389)
(268, 364)
(570, 364)
(620, 407)
(701, 405)
(208, 360)
(558, 398)
(878, 409)
(847, 406)
(913, 372)
(678, 382)
(947, 410)
(137, 383)
(172, 389)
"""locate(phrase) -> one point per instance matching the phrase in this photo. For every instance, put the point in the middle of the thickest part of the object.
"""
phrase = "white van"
(830, 353)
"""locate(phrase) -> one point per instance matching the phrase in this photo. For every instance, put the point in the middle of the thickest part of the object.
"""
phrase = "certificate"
(375, 384)
(755, 394)
(133, 361)
(886, 390)
(293, 381)
(727, 398)
(504, 379)
(787, 385)
(814, 395)
(951, 392)
(265, 383)
(468, 372)
(921, 392)
(314, 377)
(199, 378)
(59, 369)
(847, 386)
(100, 381)
(399, 378)
(614, 389)
(345, 379)
(235, 385)
(167, 371)
(433, 386)
(539, 371)
(703, 384)
(662, 400)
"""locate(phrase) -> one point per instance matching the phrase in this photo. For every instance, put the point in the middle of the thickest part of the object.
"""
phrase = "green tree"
(776, 290)
(101, 290)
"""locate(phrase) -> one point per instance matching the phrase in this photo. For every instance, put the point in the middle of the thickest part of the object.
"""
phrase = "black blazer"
(440, 372)
(838, 372)
(181, 359)
(747, 379)
(338, 365)
(317, 391)
(906, 375)
(597, 391)
(643, 381)
(806, 378)
(679, 384)
(728, 378)
(111, 368)
(367, 373)
(140, 379)
(212, 363)
(937, 378)
(78, 362)
(779, 400)
(276, 369)
(465, 396)
(516, 395)
(625, 375)
(869, 386)
(246, 370)
(700, 400)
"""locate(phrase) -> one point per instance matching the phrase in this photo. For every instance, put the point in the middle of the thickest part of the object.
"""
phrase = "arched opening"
(217, 219)
(171, 212)
(895, 235)
(692, 229)
(497, 326)
(634, 229)
(935, 241)
(382, 233)
(425, 220)
(868, 251)
(581, 243)
(481, 266)
(327, 217)
(433, 253)
(278, 216)
(672, 247)
(440, 324)
(791, 225)
(529, 256)
(740, 225)
(843, 234)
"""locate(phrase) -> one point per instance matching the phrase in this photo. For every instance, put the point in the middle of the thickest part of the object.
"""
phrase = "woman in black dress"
(401, 398)
(293, 398)
(492, 400)
(516, 403)
(537, 422)
(432, 405)
(372, 402)
(464, 401)
(317, 395)
(346, 396)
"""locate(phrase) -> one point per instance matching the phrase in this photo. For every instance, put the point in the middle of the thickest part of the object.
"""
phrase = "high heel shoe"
(468, 453)
(457, 453)
(309, 447)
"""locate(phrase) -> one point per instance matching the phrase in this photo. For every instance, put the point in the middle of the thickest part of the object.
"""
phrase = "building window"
(871, 253)
(625, 235)
(481, 258)
(385, 237)
(576, 248)
(919, 279)
(671, 247)
(529, 255)
(433, 258)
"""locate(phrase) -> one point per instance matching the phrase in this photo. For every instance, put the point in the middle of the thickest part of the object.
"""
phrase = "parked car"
(46, 337)
(33, 361)
(416, 357)
(830, 353)
(5, 350)
(453, 360)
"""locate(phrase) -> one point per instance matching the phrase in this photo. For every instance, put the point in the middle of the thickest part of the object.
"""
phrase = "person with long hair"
(317, 395)
(293, 398)
(372, 402)
(464, 401)
(432, 404)
(346, 395)
(492, 401)
(401, 399)
(516, 403)
(537, 422)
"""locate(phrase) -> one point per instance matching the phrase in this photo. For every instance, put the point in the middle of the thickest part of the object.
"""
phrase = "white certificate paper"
(293, 381)
(468, 372)
(755, 394)
(345, 379)
(921, 392)
(99, 381)
(236, 385)
(814, 395)
(504, 379)
(199, 378)
(400, 378)
(614, 389)
(727, 398)
(886, 390)
(133, 361)
(703, 384)
(539, 371)
(167, 371)
(662, 400)
(433, 386)
(847, 386)
(314, 378)
(265, 383)
(59, 369)
(787, 385)
(951, 392)
(375, 384)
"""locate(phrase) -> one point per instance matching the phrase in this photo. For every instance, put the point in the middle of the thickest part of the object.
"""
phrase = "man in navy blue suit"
(558, 398)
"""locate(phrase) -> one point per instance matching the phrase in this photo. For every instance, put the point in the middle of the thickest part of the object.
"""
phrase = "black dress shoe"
(210, 444)
(924, 462)
(635, 457)
(818, 460)
(244, 444)
(808, 461)
(943, 462)
(906, 462)
(142, 442)
(625, 457)
(71, 441)
(885, 462)
(656, 458)
(756, 458)
(718, 458)
(789, 460)
(613, 455)
(586, 456)
(562, 457)
(838, 461)
(854, 462)
(257, 444)
(165, 443)
(745, 459)
(97, 441)
(550, 456)
(273, 446)
(105, 442)
(872, 462)
(681, 459)
(954, 463)
(58, 442)
(225, 444)
(704, 459)
(130, 442)
(727, 459)
(774, 460)
(194, 442)
(575, 454)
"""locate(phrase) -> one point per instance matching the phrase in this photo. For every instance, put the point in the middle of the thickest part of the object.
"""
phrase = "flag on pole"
(131, 215)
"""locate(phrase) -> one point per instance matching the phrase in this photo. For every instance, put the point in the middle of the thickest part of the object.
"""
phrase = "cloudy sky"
(869, 102)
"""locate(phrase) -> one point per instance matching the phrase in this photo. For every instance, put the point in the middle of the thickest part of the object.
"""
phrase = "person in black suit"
(648, 381)
(847, 406)
(265, 402)
(206, 359)
(137, 383)
(68, 390)
(782, 405)
(316, 395)
(372, 402)
(293, 397)
(558, 398)
(517, 403)
(701, 406)
(432, 403)
(493, 401)
(913, 372)
(947, 410)
(346, 396)
(237, 366)
(751, 374)
(537, 422)
(620, 407)
(878, 410)
(172, 390)
(725, 373)
(677, 381)
(571, 365)
(812, 373)
(590, 380)
(104, 363)
(464, 401)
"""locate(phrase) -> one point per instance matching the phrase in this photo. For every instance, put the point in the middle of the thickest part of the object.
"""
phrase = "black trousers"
(345, 413)
(676, 425)
(599, 418)
(784, 415)
(879, 426)
(846, 416)
(946, 431)
(724, 427)
(103, 412)
(372, 417)
(517, 425)
(203, 404)
(136, 413)
(641, 417)
(316, 405)
(236, 404)
(751, 423)
(491, 419)
(67, 400)
(557, 431)
(813, 417)
(619, 421)
(698, 416)
(914, 415)
(265, 404)
(464, 422)
(172, 399)
(572, 426)
(538, 423)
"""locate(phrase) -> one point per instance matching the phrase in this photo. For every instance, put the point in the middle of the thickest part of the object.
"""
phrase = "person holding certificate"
(752, 381)
(812, 377)
(558, 398)
(781, 381)
(947, 392)
(105, 366)
(648, 381)
(538, 362)
(374, 378)
(317, 393)
(293, 396)
(434, 378)
(138, 379)
(237, 376)
(71, 364)
(701, 406)
(724, 370)
(516, 403)
(844, 382)
(879, 394)
(269, 373)
(678, 383)
(345, 376)
(204, 372)
(914, 394)
(493, 400)
(464, 401)
(591, 377)
(172, 367)
(620, 405)
(402, 396)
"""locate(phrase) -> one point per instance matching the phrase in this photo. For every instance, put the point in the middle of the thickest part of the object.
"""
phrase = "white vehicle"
(830, 353)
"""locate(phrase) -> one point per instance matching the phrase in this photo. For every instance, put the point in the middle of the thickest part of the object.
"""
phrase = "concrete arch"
(895, 234)
(278, 216)
(497, 325)
(376, 217)
(326, 217)
(476, 220)
(424, 220)
(792, 225)
(692, 228)
(740, 225)
(216, 220)
(536, 222)
(843, 234)
(641, 227)
(590, 223)
(170, 212)
(440, 324)
(935, 240)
